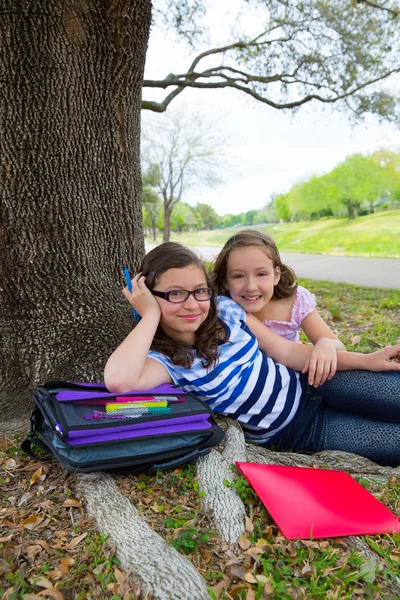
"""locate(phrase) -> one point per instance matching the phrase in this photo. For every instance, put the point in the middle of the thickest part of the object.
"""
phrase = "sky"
(266, 150)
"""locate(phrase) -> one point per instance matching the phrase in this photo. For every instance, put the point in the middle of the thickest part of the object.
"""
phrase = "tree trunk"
(167, 223)
(70, 187)
(351, 209)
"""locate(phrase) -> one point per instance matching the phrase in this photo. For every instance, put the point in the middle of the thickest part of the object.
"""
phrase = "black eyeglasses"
(201, 295)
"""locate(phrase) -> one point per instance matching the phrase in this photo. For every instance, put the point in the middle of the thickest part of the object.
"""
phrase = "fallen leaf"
(236, 591)
(221, 586)
(24, 499)
(67, 561)
(41, 582)
(6, 538)
(8, 523)
(249, 525)
(9, 464)
(254, 551)
(45, 546)
(72, 502)
(36, 476)
(32, 522)
(268, 589)
(356, 339)
(55, 574)
(76, 540)
(53, 592)
(32, 597)
(244, 542)
(250, 578)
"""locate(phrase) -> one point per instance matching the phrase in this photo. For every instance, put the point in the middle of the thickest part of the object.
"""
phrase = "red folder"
(317, 503)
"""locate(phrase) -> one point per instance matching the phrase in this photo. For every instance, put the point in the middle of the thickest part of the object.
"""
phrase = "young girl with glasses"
(249, 270)
(212, 348)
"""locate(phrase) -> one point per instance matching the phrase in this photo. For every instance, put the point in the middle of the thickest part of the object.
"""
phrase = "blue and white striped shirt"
(246, 384)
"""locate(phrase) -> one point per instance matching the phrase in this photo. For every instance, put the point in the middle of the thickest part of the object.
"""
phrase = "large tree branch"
(191, 80)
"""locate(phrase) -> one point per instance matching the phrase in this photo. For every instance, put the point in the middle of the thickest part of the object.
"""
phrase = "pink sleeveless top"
(304, 304)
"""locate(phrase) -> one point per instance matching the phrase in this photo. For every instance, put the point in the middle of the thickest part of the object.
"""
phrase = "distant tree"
(282, 207)
(356, 180)
(261, 217)
(152, 207)
(208, 215)
(182, 150)
(391, 162)
(311, 198)
(231, 220)
(248, 217)
(183, 217)
(151, 201)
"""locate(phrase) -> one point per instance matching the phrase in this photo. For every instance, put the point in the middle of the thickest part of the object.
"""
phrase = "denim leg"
(317, 426)
(365, 393)
(375, 439)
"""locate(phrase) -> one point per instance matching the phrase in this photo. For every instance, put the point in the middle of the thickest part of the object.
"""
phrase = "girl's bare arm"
(315, 328)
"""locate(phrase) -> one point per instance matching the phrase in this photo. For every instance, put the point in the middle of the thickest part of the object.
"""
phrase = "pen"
(128, 279)
(128, 282)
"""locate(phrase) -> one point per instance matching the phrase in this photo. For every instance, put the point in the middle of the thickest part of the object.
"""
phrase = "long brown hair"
(287, 283)
(171, 255)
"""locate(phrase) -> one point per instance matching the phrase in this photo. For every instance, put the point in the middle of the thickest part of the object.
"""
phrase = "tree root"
(227, 508)
(153, 563)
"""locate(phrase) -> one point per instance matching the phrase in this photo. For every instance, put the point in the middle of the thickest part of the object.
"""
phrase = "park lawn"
(48, 544)
(372, 235)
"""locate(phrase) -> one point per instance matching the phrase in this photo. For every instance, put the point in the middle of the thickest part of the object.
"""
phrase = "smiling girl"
(249, 270)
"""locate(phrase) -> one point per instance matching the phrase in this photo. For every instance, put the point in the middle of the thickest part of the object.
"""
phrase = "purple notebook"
(70, 395)
(178, 425)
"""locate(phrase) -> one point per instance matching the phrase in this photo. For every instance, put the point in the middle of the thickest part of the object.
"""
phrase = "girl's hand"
(387, 359)
(321, 363)
(140, 298)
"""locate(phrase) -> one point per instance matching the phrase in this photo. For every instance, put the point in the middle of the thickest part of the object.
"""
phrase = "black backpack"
(89, 429)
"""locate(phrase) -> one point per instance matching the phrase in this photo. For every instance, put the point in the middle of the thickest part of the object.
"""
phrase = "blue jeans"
(356, 411)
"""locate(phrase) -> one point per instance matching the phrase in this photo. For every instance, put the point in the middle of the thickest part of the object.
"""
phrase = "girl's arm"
(315, 328)
(129, 367)
(278, 348)
(295, 355)
(323, 358)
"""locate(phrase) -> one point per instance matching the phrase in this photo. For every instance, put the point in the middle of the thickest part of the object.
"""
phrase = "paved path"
(366, 272)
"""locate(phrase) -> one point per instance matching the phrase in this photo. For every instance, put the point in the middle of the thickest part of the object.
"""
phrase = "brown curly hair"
(287, 283)
(171, 255)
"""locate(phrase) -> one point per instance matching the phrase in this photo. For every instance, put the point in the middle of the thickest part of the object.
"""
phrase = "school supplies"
(317, 503)
(67, 424)
(148, 398)
(111, 407)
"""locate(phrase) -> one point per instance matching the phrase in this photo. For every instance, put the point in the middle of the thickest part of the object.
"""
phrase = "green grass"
(373, 235)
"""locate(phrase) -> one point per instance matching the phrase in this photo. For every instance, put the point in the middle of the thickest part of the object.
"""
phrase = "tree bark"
(70, 181)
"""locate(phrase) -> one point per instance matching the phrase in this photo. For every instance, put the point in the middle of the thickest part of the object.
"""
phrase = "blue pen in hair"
(128, 282)
(128, 279)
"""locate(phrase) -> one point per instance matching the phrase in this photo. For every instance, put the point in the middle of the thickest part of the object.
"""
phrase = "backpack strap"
(28, 445)
(34, 440)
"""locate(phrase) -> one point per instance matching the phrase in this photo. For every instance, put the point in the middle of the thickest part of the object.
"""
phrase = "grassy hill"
(373, 235)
